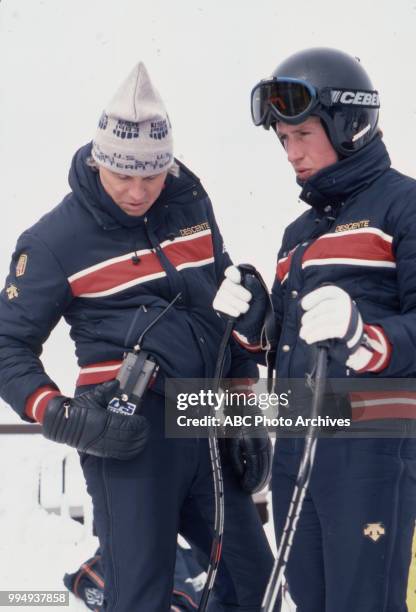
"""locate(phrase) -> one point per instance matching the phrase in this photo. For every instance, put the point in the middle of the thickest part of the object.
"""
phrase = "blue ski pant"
(352, 547)
(142, 504)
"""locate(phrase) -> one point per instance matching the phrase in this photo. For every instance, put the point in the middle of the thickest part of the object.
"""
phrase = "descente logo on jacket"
(353, 225)
(194, 229)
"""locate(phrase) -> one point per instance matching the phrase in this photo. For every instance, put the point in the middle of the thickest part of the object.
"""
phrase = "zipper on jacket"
(297, 258)
(173, 277)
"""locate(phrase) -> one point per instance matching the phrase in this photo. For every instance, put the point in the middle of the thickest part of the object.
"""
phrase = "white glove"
(360, 359)
(232, 299)
(331, 314)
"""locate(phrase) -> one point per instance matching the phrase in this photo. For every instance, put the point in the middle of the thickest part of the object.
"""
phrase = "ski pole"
(301, 485)
(214, 452)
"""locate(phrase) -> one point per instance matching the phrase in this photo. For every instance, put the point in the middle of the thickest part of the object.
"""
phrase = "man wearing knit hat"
(134, 135)
(133, 256)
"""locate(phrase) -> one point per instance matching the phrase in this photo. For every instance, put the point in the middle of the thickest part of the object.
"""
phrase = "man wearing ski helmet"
(132, 258)
(346, 275)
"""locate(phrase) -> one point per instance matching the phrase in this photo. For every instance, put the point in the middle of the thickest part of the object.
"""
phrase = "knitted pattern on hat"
(134, 134)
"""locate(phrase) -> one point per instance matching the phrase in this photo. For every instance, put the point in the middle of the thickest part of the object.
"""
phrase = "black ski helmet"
(324, 82)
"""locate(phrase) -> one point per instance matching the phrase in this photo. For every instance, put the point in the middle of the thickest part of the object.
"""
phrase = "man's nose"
(294, 151)
(137, 188)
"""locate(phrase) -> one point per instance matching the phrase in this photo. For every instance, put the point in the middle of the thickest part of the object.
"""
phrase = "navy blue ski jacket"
(109, 275)
(359, 234)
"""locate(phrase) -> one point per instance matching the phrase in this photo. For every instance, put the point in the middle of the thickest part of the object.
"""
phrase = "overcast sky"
(62, 60)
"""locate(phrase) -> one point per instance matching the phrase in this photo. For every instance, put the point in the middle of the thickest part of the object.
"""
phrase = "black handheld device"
(137, 372)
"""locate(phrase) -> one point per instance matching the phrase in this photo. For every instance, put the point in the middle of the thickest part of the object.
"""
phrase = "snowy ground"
(37, 547)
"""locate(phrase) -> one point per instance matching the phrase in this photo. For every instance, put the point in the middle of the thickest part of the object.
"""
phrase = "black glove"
(251, 323)
(85, 423)
(250, 457)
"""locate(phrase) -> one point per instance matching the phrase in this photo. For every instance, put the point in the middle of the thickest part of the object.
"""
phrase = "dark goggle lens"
(288, 99)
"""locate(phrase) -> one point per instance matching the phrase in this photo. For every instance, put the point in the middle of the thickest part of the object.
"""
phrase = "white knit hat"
(134, 134)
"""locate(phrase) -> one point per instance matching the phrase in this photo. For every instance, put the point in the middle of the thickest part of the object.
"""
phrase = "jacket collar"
(347, 177)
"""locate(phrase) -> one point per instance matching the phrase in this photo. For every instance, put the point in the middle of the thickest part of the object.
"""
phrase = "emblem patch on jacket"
(21, 265)
(12, 292)
(345, 227)
(201, 227)
(374, 531)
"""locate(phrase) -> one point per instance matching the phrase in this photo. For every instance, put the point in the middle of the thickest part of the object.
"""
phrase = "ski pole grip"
(324, 344)
(245, 270)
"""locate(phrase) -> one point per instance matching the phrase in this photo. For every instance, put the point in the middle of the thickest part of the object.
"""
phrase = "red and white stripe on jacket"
(119, 273)
(381, 349)
(243, 341)
(93, 374)
(37, 402)
(97, 373)
(366, 246)
(283, 266)
(372, 405)
(185, 596)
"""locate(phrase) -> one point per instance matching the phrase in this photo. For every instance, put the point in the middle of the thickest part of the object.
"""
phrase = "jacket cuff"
(36, 403)
(379, 344)
(241, 385)
(253, 347)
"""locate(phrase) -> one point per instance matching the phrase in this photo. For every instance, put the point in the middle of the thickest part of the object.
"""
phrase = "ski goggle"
(288, 100)
(293, 100)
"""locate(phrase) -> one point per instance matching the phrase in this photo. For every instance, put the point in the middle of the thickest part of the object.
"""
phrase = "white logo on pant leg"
(94, 597)
(374, 531)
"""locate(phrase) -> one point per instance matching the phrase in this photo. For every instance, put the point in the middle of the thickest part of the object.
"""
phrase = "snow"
(37, 546)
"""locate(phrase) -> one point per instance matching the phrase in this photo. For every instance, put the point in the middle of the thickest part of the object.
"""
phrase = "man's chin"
(135, 210)
(304, 176)
(135, 214)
